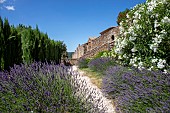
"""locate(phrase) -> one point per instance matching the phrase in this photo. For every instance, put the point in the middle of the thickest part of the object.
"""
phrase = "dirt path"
(97, 92)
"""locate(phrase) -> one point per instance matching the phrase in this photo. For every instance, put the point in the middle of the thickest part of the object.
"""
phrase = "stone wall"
(97, 44)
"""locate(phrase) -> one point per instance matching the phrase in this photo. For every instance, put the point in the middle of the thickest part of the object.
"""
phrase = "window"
(112, 37)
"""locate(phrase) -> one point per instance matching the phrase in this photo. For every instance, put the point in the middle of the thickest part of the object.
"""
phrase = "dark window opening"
(112, 37)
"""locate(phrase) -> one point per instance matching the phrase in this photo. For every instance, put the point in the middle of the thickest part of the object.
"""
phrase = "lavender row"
(42, 87)
(137, 91)
(101, 64)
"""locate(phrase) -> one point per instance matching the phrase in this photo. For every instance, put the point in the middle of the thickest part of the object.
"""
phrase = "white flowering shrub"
(144, 40)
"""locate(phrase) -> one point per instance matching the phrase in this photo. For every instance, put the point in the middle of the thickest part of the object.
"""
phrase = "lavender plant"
(83, 63)
(41, 87)
(136, 91)
(101, 64)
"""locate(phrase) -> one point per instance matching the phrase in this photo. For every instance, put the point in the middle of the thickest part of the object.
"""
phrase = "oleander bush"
(136, 91)
(41, 87)
(83, 62)
(144, 39)
(101, 64)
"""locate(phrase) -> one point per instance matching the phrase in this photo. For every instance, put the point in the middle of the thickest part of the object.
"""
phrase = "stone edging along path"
(97, 92)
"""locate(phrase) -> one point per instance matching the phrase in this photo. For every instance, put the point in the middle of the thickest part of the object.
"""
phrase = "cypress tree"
(1, 43)
(42, 48)
(16, 46)
(7, 51)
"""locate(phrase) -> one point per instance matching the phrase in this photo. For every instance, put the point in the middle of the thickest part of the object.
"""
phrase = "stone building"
(95, 45)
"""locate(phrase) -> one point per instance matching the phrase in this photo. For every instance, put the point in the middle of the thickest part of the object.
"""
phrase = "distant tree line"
(24, 44)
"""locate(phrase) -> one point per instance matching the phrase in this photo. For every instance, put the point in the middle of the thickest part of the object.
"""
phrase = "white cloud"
(2, 1)
(10, 8)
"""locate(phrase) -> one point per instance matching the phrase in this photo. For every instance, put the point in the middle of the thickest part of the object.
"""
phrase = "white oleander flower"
(150, 68)
(151, 5)
(134, 49)
(121, 28)
(135, 21)
(124, 43)
(119, 57)
(121, 23)
(154, 47)
(132, 38)
(140, 65)
(133, 60)
(156, 24)
(137, 26)
(154, 60)
(130, 29)
(163, 32)
(118, 51)
(165, 71)
(125, 56)
(135, 65)
(165, 20)
(125, 33)
(127, 16)
(137, 15)
(161, 63)
(139, 58)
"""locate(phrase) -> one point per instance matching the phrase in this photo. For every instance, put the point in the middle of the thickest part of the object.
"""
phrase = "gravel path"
(96, 92)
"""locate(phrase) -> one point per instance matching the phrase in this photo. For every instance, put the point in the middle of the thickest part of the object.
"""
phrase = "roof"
(107, 30)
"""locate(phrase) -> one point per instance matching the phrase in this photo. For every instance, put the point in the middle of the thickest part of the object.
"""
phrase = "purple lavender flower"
(42, 87)
(101, 64)
(133, 89)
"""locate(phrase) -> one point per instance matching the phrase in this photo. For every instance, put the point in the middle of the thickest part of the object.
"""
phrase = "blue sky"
(71, 21)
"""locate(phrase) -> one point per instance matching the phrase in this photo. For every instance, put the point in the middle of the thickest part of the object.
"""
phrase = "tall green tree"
(42, 50)
(1, 43)
(36, 46)
(16, 46)
(7, 46)
(25, 46)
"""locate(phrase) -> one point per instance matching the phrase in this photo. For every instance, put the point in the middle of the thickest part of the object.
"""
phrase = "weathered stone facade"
(97, 44)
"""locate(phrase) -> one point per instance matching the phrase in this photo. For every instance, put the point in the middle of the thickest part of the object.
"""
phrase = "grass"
(96, 77)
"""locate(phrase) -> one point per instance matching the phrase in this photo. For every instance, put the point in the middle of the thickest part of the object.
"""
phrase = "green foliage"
(24, 44)
(100, 54)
